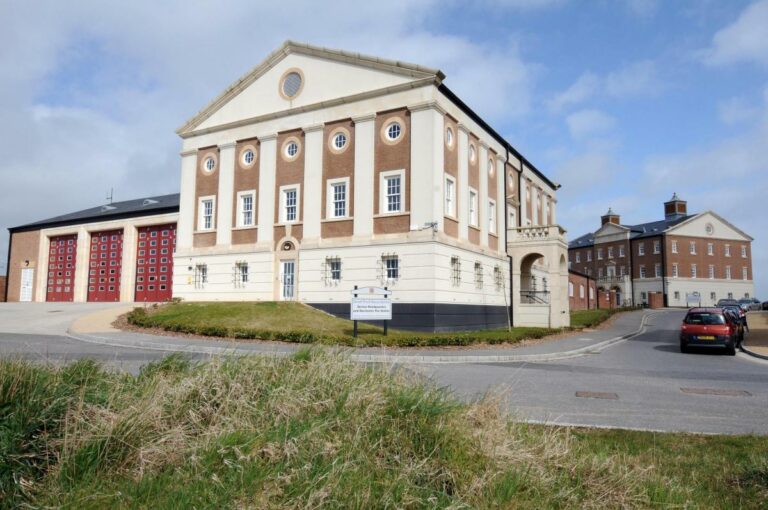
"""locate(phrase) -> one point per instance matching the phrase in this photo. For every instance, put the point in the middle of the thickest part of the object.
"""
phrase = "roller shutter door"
(105, 266)
(154, 263)
(62, 260)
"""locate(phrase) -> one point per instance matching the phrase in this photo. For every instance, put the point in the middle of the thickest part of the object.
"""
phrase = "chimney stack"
(675, 208)
(610, 217)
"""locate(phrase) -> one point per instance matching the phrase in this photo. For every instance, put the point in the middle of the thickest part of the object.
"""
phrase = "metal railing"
(534, 297)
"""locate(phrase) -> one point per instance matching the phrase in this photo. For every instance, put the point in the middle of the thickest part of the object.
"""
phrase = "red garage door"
(104, 271)
(154, 263)
(62, 258)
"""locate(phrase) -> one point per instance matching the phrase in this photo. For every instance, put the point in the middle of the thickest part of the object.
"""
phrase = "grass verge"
(592, 318)
(294, 322)
(314, 431)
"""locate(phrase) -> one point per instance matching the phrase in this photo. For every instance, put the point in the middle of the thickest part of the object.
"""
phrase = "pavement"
(630, 375)
(756, 341)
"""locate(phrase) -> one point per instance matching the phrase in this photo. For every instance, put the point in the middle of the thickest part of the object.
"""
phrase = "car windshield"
(745, 301)
(724, 302)
(705, 319)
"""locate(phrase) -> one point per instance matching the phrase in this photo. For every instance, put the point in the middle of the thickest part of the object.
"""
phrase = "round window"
(291, 84)
(209, 164)
(490, 167)
(393, 131)
(449, 137)
(291, 149)
(248, 157)
(340, 140)
(472, 153)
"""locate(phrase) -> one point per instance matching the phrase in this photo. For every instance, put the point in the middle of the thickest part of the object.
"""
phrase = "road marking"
(713, 391)
(597, 394)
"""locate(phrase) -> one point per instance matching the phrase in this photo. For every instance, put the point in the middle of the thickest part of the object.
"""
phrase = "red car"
(709, 327)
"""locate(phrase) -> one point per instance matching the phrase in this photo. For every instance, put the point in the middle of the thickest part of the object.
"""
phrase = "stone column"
(365, 133)
(462, 186)
(266, 198)
(187, 220)
(427, 162)
(482, 195)
(313, 182)
(128, 269)
(225, 197)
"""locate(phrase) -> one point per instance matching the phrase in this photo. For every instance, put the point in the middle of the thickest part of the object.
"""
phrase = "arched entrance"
(287, 269)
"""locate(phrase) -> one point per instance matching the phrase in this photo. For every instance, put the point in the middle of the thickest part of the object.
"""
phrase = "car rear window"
(705, 319)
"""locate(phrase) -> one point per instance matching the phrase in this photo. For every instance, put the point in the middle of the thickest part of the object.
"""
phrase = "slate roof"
(146, 206)
(650, 229)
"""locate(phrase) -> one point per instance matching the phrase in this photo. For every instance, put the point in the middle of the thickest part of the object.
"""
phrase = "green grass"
(294, 322)
(315, 431)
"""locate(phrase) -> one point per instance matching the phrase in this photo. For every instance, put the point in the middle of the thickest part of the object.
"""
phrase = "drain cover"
(597, 394)
(714, 391)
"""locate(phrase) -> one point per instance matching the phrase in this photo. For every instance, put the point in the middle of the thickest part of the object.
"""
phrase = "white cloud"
(635, 79)
(582, 89)
(744, 40)
(585, 123)
(638, 78)
(642, 8)
(736, 110)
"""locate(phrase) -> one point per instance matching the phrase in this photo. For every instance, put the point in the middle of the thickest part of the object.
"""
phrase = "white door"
(288, 279)
(27, 279)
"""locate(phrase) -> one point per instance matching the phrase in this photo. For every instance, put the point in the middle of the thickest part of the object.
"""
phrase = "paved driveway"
(643, 382)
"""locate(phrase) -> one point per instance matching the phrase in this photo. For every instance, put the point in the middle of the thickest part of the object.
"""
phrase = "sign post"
(371, 304)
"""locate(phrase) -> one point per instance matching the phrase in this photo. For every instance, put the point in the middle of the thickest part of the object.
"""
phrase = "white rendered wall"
(705, 287)
(224, 201)
(186, 225)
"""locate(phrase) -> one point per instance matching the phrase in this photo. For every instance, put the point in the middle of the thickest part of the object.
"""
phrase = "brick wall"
(2, 288)
(580, 297)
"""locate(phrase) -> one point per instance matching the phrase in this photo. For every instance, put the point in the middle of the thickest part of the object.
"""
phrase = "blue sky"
(621, 101)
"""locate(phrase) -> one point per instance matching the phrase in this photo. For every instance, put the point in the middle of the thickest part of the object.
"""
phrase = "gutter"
(506, 240)
(631, 270)
(8, 265)
(664, 269)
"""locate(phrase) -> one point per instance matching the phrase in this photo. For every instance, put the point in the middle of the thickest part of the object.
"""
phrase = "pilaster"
(225, 197)
(365, 145)
(266, 199)
(186, 223)
(313, 182)
(462, 186)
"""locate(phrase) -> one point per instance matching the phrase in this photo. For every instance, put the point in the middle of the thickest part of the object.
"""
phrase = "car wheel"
(730, 349)
(684, 349)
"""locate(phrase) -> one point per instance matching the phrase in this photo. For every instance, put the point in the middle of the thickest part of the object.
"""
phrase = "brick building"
(685, 258)
(121, 251)
(582, 291)
(2, 288)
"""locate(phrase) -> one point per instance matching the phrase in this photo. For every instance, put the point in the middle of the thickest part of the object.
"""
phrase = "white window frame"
(692, 249)
(581, 291)
(449, 196)
(599, 254)
(589, 256)
(330, 203)
(657, 270)
(641, 249)
(675, 269)
(744, 273)
(283, 205)
(710, 249)
(727, 272)
(743, 251)
(674, 246)
(578, 257)
(491, 216)
(727, 250)
(711, 271)
(694, 271)
(385, 269)
(642, 272)
(201, 213)
(610, 252)
(657, 247)
(383, 176)
(621, 251)
(474, 216)
(240, 195)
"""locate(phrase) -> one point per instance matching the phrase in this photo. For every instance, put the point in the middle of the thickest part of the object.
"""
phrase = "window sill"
(286, 223)
(209, 231)
(451, 217)
(392, 214)
(250, 227)
(473, 227)
(334, 220)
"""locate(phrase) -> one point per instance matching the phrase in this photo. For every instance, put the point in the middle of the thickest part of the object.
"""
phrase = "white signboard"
(370, 309)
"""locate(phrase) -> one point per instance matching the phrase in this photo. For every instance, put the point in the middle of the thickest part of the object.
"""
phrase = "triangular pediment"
(326, 75)
(610, 229)
(709, 224)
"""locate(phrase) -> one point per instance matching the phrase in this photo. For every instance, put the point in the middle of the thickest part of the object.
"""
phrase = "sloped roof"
(641, 230)
(146, 206)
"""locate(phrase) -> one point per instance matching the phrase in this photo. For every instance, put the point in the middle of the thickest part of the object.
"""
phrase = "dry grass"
(316, 431)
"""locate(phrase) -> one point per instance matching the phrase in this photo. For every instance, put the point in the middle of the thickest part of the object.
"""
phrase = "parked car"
(738, 317)
(765, 305)
(756, 305)
(745, 304)
(727, 302)
(709, 327)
